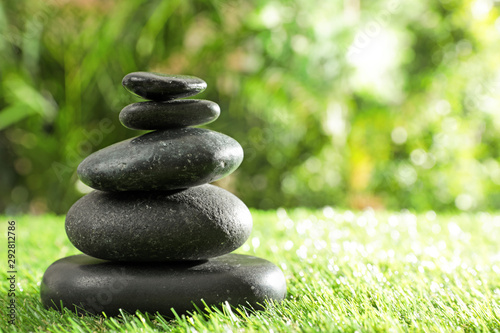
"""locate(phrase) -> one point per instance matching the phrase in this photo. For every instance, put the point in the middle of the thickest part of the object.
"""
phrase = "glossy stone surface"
(161, 87)
(198, 223)
(162, 160)
(170, 114)
(96, 286)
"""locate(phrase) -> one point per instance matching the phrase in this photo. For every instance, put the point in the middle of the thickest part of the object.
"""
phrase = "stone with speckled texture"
(84, 283)
(169, 114)
(197, 223)
(162, 160)
(162, 87)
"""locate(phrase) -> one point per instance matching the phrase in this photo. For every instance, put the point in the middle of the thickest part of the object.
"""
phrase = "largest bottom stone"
(93, 285)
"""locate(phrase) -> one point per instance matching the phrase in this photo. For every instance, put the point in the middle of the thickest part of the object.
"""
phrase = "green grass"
(346, 271)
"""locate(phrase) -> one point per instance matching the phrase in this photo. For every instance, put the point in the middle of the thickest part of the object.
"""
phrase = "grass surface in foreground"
(346, 271)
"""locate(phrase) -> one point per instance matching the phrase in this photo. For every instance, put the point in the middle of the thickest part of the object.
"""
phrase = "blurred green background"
(385, 104)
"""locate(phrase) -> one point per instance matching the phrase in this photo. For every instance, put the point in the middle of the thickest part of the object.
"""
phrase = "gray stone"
(85, 284)
(198, 223)
(169, 114)
(161, 87)
(162, 160)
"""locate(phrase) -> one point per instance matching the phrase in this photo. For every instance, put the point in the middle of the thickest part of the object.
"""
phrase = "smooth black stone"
(95, 286)
(162, 160)
(198, 223)
(170, 114)
(162, 87)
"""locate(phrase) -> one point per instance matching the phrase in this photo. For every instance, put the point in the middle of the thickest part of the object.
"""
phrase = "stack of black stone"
(155, 234)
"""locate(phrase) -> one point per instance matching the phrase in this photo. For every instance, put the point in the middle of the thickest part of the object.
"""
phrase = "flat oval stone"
(162, 160)
(162, 87)
(169, 114)
(197, 223)
(83, 283)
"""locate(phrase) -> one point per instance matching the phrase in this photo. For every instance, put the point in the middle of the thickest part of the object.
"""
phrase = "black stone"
(161, 87)
(170, 114)
(198, 223)
(95, 286)
(162, 160)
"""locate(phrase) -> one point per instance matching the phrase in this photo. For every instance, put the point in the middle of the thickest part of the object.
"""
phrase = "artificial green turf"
(346, 271)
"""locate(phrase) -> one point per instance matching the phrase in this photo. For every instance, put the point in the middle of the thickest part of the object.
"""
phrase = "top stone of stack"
(160, 87)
